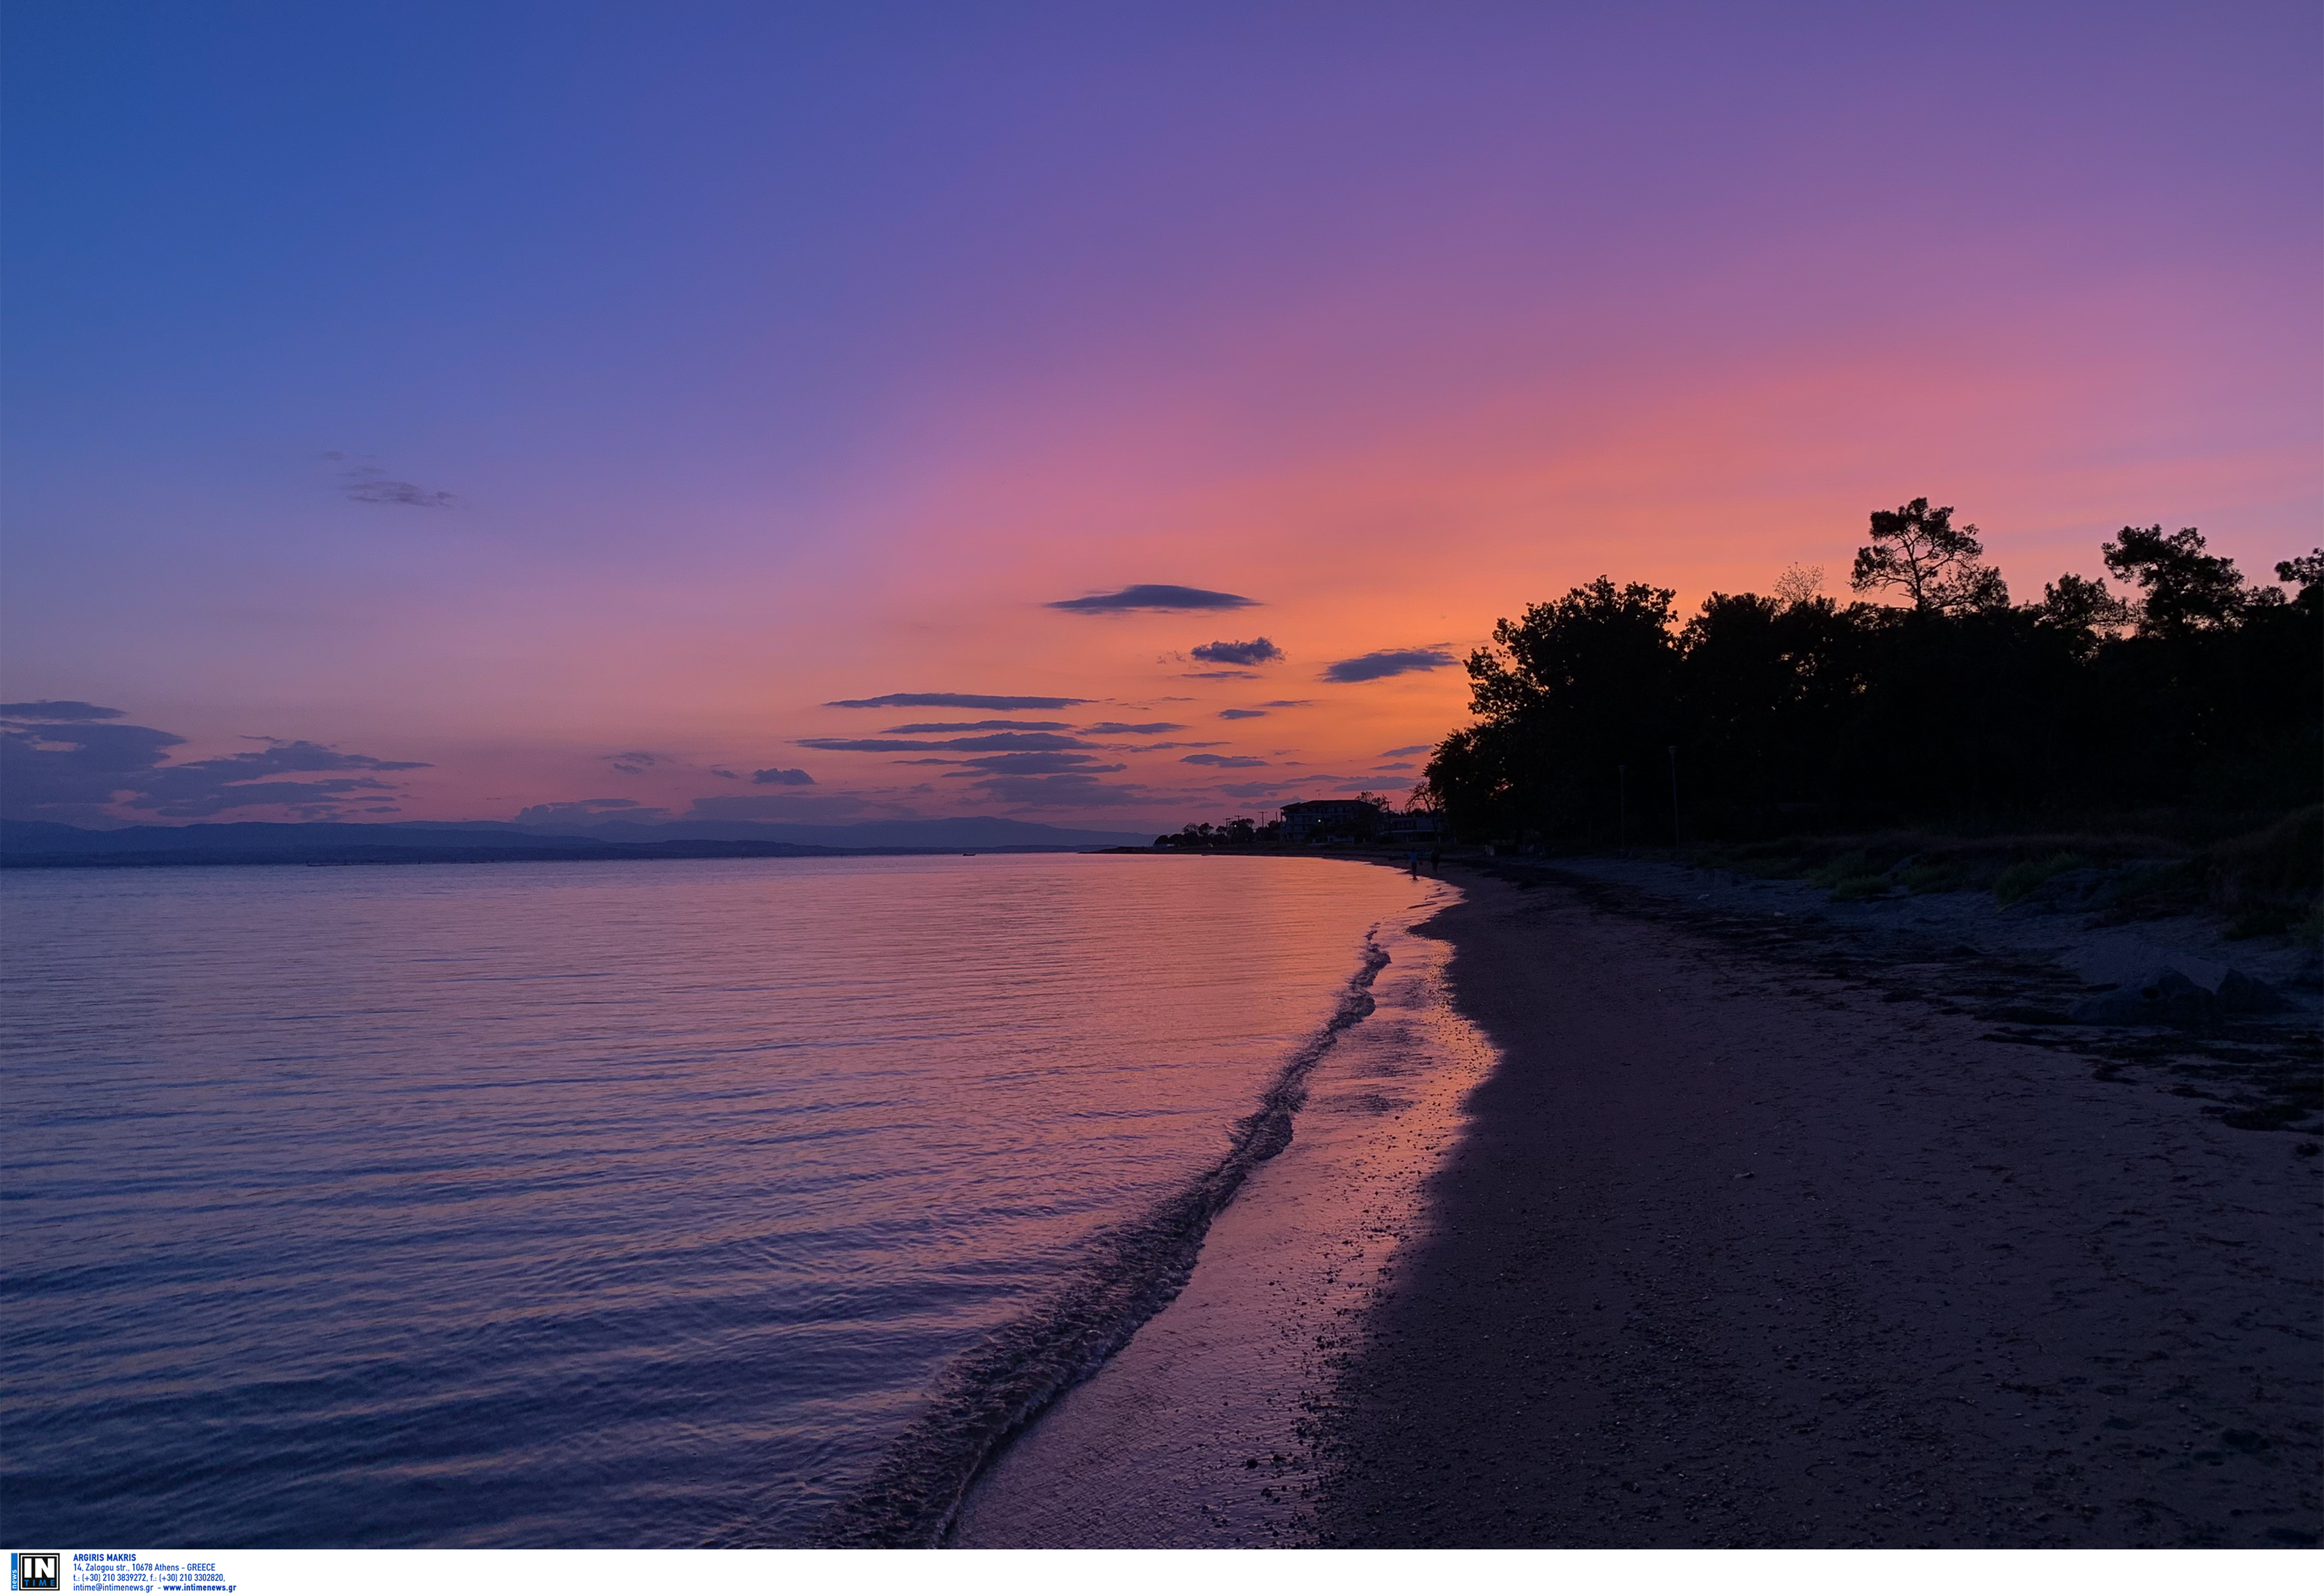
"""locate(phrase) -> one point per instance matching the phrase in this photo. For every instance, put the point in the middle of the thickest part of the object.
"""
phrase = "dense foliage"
(1954, 707)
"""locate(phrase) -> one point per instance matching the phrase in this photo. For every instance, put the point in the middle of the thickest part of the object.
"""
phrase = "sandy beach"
(1742, 1238)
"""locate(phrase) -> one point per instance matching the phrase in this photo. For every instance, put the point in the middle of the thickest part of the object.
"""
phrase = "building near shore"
(1420, 829)
(1331, 820)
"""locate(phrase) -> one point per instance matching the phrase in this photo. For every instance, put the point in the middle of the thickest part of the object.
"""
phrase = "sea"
(669, 1204)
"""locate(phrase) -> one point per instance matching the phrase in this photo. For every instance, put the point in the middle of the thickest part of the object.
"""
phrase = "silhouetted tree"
(2307, 572)
(1960, 708)
(1568, 692)
(1799, 583)
(2185, 588)
(2084, 611)
(1935, 564)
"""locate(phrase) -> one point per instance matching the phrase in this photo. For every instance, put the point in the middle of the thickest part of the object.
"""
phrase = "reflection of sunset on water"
(646, 1200)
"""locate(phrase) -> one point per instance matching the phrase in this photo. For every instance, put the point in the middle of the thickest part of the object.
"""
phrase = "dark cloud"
(1164, 747)
(1120, 728)
(1243, 714)
(1390, 753)
(71, 772)
(990, 742)
(1221, 676)
(1398, 765)
(1259, 650)
(1252, 790)
(57, 709)
(1386, 662)
(1286, 704)
(722, 771)
(951, 701)
(77, 772)
(232, 782)
(635, 763)
(922, 728)
(580, 811)
(1224, 761)
(1153, 596)
(782, 778)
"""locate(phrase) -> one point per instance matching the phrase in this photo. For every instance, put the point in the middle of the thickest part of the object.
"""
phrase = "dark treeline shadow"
(2191, 702)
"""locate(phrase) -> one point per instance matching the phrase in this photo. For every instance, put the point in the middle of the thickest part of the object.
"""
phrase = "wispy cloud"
(1222, 760)
(952, 701)
(922, 728)
(1387, 662)
(57, 709)
(1035, 764)
(1390, 753)
(776, 778)
(581, 811)
(1220, 676)
(636, 762)
(991, 742)
(1153, 596)
(367, 485)
(1243, 714)
(1120, 729)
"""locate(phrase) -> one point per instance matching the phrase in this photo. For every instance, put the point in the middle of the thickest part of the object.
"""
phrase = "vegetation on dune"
(2156, 723)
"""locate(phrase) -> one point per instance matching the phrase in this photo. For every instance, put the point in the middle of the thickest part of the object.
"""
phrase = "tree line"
(2188, 697)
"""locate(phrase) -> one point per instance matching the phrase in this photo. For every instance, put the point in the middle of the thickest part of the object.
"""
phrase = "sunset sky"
(569, 405)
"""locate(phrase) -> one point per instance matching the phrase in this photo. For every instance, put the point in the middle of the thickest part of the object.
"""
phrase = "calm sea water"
(588, 1203)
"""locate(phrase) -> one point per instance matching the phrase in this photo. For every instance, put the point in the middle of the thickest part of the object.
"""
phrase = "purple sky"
(508, 391)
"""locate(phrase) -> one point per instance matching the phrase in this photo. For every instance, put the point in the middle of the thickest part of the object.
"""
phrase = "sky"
(486, 410)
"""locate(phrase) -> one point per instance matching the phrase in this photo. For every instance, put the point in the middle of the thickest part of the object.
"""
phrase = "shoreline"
(1195, 1433)
(989, 1402)
(1823, 1235)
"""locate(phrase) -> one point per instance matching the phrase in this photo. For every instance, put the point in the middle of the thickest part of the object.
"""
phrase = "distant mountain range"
(46, 843)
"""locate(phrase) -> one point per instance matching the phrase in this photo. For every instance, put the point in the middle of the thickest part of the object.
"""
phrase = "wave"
(1129, 1272)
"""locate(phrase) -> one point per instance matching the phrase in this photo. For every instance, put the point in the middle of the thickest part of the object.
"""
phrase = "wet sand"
(1735, 1253)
